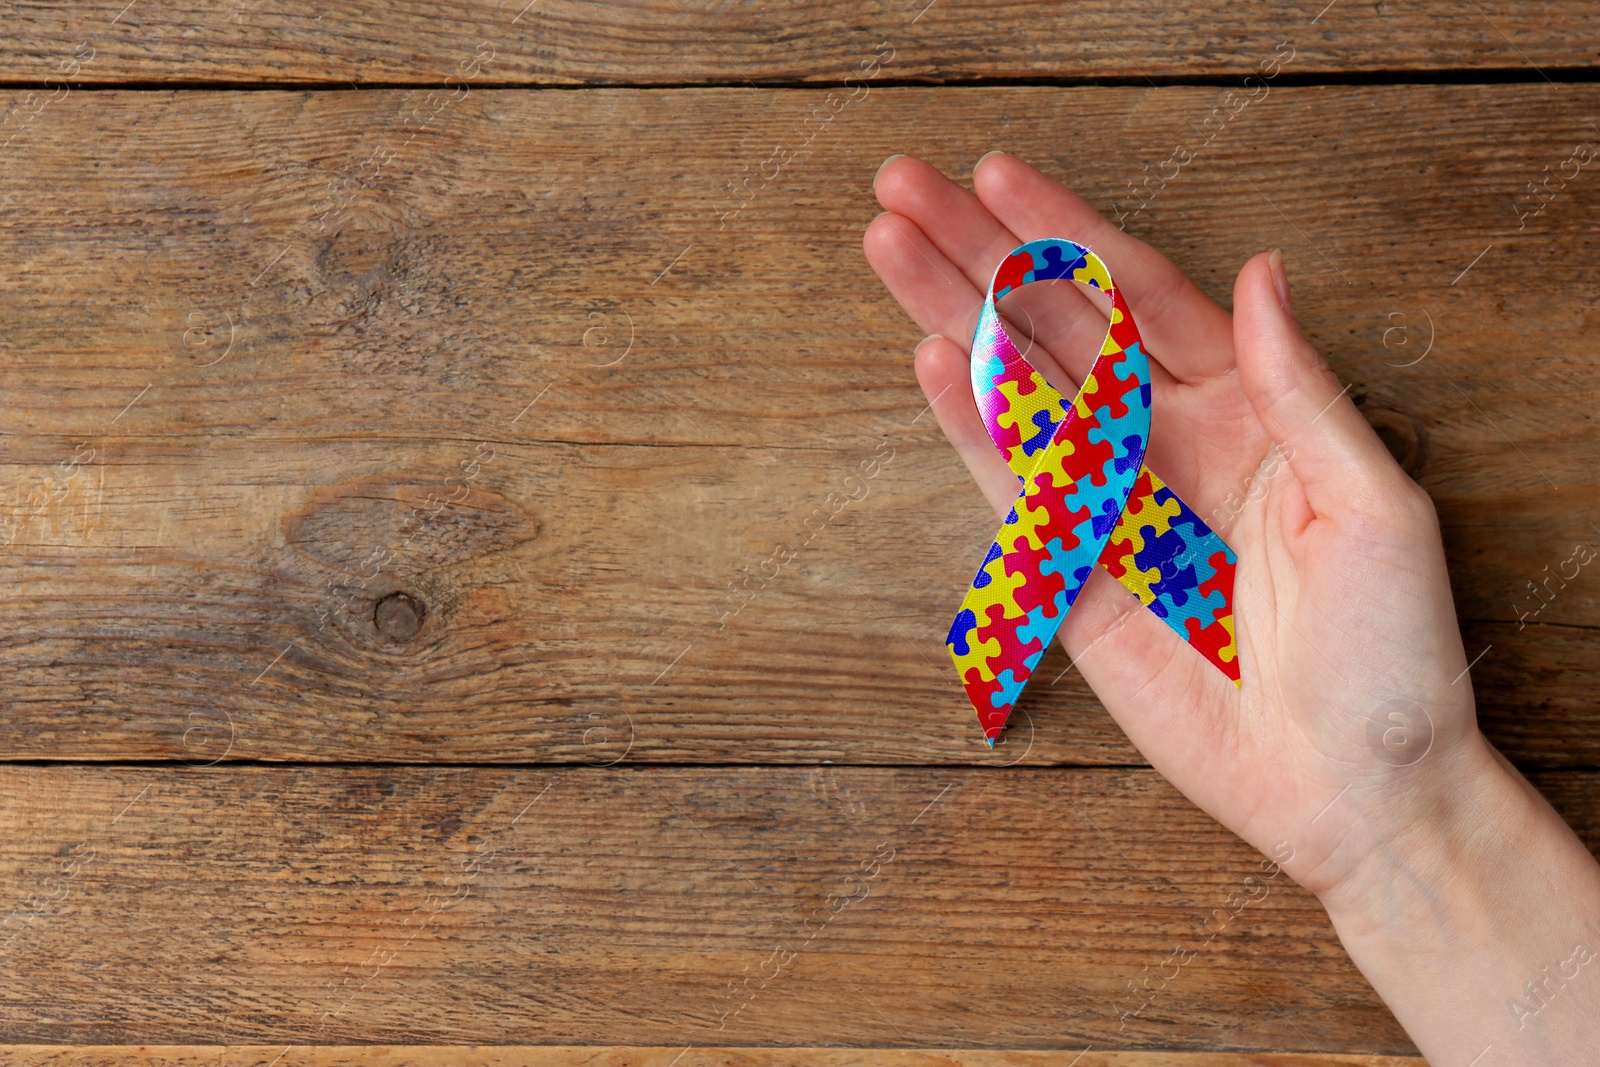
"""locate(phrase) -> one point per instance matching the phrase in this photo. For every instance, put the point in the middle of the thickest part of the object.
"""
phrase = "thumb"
(1329, 445)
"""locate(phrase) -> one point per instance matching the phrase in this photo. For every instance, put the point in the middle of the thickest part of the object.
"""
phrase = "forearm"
(1480, 924)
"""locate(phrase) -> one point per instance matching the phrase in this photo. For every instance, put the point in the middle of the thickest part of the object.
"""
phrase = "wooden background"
(545, 775)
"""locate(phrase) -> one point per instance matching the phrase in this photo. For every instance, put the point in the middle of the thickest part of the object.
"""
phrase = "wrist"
(1423, 832)
(1471, 874)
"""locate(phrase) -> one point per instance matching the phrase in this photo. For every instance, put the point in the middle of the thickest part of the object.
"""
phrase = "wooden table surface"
(401, 408)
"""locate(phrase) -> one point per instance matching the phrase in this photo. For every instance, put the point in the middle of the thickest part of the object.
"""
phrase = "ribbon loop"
(1086, 498)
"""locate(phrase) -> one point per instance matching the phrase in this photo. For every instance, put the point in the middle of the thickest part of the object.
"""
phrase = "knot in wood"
(398, 616)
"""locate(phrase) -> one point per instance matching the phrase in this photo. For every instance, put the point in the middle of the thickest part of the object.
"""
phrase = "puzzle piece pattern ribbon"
(1086, 498)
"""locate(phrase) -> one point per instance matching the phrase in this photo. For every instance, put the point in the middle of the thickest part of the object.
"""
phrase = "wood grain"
(271, 359)
(442, 425)
(592, 1056)
(469, 906)
(566, 42)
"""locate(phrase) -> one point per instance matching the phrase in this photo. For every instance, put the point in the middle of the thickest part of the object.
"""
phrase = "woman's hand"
(1342, 605)
(1351, 753)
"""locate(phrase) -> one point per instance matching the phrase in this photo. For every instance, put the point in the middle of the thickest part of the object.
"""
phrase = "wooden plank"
(384, 905)
(667, 1056)
(269, 362)
(565, 42)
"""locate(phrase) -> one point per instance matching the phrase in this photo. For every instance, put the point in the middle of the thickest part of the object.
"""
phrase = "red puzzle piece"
(1209, 641)
(1012, 271)
(981, 693)
(1222, 581)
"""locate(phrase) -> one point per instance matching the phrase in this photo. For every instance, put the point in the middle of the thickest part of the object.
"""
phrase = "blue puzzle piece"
(1041, 624)
(1202, 609)
(1084, 532)
(1106, 521)
(1126, 368)
(1174, 590)
(1010, 689)
(1047, 430)
(1160, 552)
(1184, 517)
(1055, 266)
(1057, 551)
(966, 622)
(1127, 455)
(1134, 458)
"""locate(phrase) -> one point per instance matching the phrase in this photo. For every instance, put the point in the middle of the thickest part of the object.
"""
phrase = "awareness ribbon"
(1086, 498)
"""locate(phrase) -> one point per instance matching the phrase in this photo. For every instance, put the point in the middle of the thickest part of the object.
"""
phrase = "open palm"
(1352, 663)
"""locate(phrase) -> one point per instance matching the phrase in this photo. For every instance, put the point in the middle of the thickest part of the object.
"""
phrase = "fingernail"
(1280, 280)
(983, 158)
(922, 343)
(885, 163)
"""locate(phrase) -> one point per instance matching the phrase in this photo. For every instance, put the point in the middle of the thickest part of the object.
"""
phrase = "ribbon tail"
(1044, 553)
(1183, 573)
(1003, 628)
